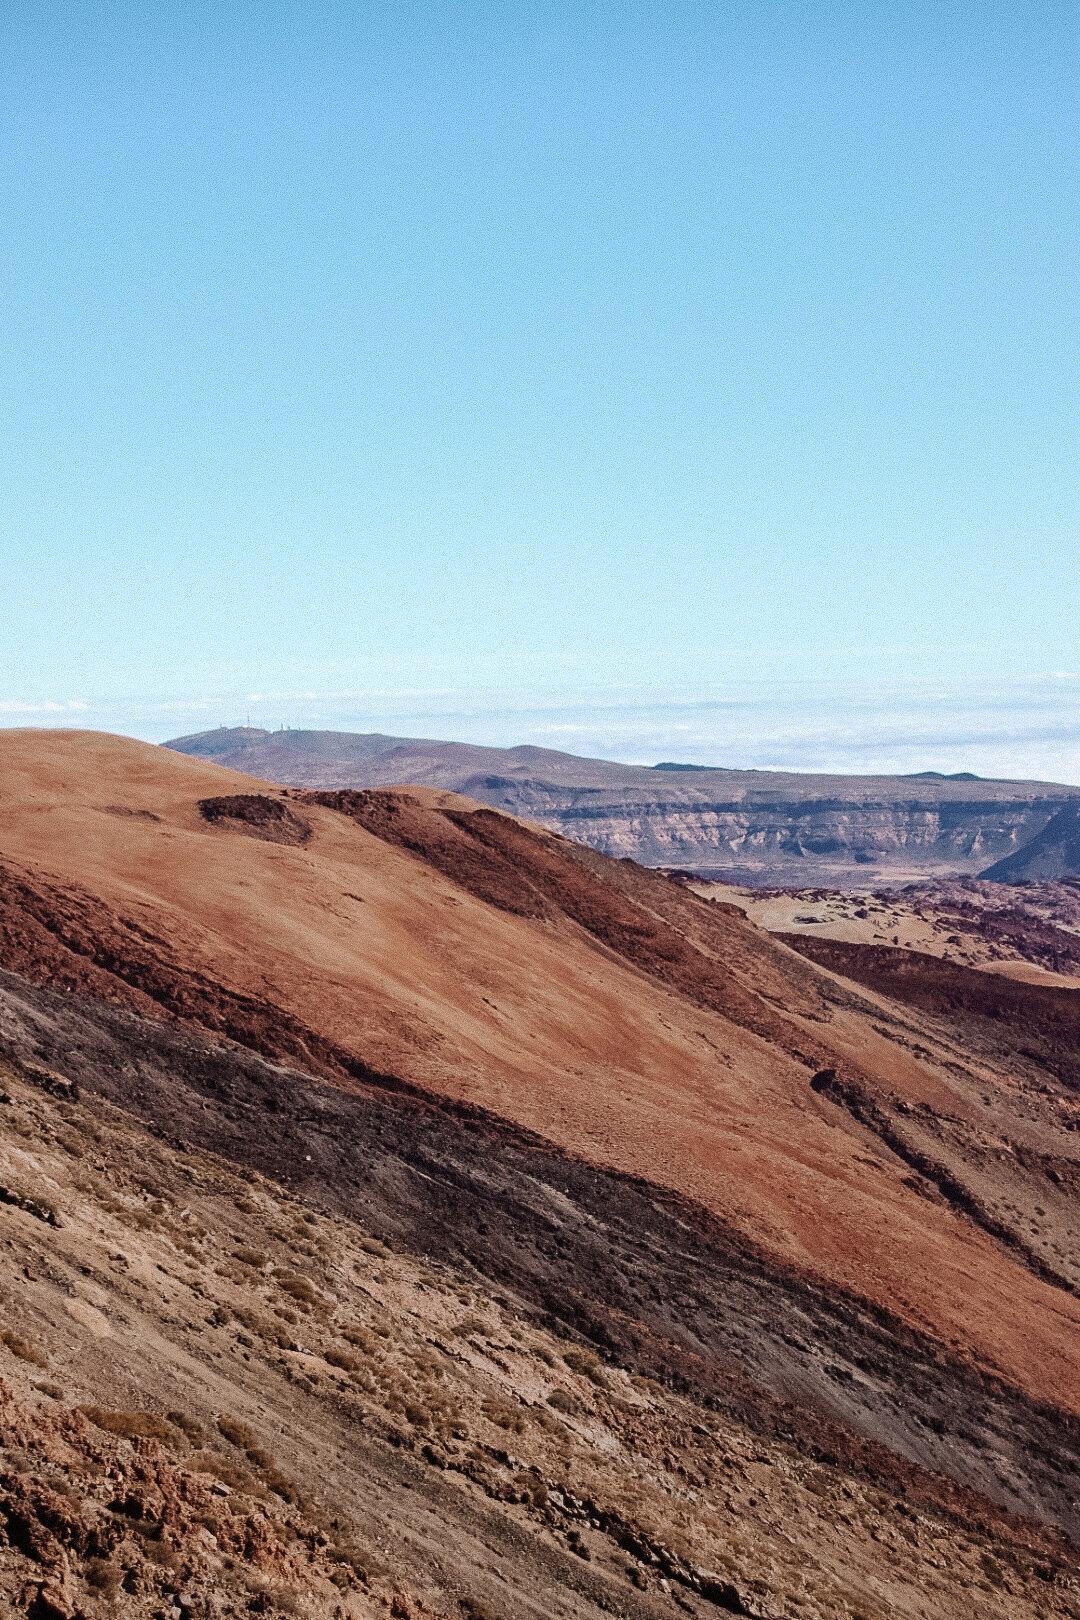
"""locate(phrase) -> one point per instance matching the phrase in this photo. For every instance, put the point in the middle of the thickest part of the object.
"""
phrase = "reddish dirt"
(531, 875)
(631, 1027)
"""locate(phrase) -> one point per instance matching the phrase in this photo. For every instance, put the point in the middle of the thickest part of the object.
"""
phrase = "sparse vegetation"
(651, 1488)
(103, 1577)
(588, 1364)
(188, 1426)
(298, 1289)
(562, 1401)
(130, 1425)
(340, 1358)
(23, 1348)
(505, 1415)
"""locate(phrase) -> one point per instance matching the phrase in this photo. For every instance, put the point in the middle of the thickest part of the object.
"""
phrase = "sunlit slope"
(359, 954)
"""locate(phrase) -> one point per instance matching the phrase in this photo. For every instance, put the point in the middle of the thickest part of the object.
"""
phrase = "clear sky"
(461, 368)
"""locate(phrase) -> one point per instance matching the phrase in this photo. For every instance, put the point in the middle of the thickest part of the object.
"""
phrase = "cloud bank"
(1026, 727)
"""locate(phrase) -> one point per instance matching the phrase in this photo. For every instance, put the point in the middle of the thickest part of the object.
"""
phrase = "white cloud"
(47, 706)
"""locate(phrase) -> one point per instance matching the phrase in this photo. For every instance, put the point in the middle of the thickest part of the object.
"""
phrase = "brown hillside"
(413, 940)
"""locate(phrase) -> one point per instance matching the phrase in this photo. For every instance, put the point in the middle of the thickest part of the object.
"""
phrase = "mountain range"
(410, 1210)
(767, 828)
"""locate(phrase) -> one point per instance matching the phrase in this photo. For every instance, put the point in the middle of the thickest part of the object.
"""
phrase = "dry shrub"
(562, 1401)
(476, 1610)
(360, 1337)
(241, 1434)
(549, 1424)
(358, 1561)
(232, 1271)
(23, 1348)
(587, 1363)
(991, 1569)
(160, 1553)
(297, 1288)
(187, 1425)
(504, 1415)
(647, 1386)
(265, 1329)
(103, 1577)
(208, 1462)
(428, 1365)
(281, 1484)
(130, 1425)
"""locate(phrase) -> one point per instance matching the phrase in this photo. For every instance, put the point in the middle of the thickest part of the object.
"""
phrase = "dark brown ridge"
(258, 816)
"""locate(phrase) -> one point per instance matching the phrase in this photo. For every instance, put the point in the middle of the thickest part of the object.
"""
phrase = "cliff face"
(1053, 853)
(771, 828)
(786, 838)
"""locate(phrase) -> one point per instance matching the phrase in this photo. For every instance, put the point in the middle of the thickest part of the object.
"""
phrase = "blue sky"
(707, 371)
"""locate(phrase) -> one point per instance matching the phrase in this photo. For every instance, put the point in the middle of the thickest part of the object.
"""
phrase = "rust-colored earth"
(447, 948)
(832, 1205)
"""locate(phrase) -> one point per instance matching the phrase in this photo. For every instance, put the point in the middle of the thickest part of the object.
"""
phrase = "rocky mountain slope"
(451, 1219)
(1054, 852)
(770, 828)
(217, 1398)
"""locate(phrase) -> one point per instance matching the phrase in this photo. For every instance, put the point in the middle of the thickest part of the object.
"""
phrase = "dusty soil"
(1038, 1021)
(635, 1270)
(836, 1218)
(215, 1400)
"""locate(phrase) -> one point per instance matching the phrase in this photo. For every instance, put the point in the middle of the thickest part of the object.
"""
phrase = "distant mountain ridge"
(765, 828)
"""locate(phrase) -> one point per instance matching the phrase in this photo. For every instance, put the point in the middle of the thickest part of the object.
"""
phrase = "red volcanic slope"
(414, 937)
